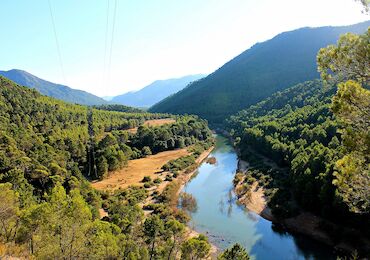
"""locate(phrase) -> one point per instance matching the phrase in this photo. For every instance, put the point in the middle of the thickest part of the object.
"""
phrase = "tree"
(365, 4)
(348, 60)
(146, 151)
(195, 248)
(175, 232)
(9, 211)
(102, 167)
(153, 228)
(348, 64)
(236, 252)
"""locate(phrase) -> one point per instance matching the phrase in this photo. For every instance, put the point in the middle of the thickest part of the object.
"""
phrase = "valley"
(268, 157)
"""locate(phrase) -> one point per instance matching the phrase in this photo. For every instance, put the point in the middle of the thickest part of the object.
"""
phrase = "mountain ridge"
(287, 59)
(155, 91)
(51, 89)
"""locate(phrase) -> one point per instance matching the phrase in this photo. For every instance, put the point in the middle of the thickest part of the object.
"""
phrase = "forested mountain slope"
(285, 60)
(155, 92)
(49, 150)
(297, 130)
(51, 89)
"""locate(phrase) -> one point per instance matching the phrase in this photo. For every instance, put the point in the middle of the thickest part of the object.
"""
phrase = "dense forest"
(48, 208)
(118, 108)
(306, 141)
(287, 59)
(296, 129)
(318, 134)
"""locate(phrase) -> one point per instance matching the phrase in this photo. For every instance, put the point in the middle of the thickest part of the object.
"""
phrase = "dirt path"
(137, 169)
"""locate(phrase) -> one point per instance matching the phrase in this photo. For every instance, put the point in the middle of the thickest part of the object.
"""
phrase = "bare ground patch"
(137, 169)
(154, 122)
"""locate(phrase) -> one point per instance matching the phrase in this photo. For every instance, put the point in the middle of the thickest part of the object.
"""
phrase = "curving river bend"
(225, 222)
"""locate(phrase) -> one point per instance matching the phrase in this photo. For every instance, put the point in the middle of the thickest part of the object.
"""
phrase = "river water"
(225, 222)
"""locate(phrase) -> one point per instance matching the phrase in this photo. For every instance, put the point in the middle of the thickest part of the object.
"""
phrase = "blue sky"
(153, 39)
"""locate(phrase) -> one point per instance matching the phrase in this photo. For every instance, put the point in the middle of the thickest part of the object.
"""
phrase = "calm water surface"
(225, 222)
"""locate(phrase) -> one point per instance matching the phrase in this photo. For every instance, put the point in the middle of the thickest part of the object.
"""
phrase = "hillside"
(50, 149)
(51, 89)
(155, 92)
(296, 129)
(285, 60)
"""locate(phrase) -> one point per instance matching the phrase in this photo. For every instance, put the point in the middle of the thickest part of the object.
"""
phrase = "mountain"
(107, 98)
(285, 60)
(297, 130)
(155, 92)
(50, 89)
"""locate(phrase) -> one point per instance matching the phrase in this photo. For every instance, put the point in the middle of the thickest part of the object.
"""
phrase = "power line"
(57, 42)
(106, 42)
(112, 38)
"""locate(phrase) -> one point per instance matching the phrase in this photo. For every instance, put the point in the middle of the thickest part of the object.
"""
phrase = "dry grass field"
(137, 169)
(154, 122)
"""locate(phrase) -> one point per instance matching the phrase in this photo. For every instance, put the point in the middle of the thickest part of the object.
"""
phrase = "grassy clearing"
(154, 122)
(137, 169)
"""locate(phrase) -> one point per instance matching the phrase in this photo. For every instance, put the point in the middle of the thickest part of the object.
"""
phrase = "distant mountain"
(155, 92)
(285, 60)
(107, 98)
(50, 89)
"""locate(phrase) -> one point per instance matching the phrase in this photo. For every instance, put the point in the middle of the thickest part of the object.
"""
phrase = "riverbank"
(186, 177)
(305, 223)
(183, 179)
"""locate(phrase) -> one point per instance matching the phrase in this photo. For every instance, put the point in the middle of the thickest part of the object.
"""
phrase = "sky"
(152, 39)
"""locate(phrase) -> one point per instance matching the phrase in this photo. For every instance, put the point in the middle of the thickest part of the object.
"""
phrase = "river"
(225, 222)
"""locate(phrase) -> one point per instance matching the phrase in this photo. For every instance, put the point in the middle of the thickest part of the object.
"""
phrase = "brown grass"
(137, 169)
(154, 122)
(157, 122)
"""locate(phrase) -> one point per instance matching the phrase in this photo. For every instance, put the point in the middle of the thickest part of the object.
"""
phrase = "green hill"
(48, 151)
(297, 130)
(50, 89)
(287, 59)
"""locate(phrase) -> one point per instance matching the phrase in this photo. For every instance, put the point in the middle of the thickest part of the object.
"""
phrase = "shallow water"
(225, 222)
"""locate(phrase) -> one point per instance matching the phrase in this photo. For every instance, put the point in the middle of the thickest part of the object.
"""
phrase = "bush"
(148, 185)
(146, 179)
(157, 180)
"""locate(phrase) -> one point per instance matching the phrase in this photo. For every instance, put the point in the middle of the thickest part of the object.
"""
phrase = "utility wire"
(57, 42)
(112, 38)
(106, 43)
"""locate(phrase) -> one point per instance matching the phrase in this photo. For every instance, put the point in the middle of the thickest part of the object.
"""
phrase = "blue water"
(225, 222)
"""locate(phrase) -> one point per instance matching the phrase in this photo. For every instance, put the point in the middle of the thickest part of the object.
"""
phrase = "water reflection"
(219, 216)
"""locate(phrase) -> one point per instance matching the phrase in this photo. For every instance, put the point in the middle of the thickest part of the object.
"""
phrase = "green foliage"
(297, 130)
(119, 108)
(195, 248)
(236, 252)
(187, 130)
(50, 89)
(349, 59)
(347, 63)
(48, 208)
(9, 213)
(179, 164)
(287, 59)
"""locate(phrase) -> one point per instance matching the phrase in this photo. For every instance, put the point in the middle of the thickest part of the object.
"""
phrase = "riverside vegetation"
(318, 135)
(49, 151)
